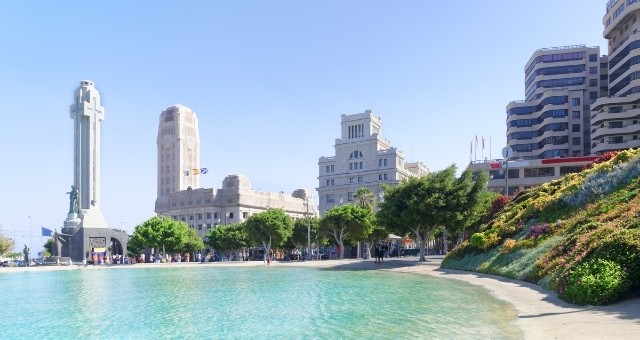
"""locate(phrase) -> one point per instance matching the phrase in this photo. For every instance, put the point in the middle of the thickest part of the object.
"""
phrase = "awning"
(394, 237)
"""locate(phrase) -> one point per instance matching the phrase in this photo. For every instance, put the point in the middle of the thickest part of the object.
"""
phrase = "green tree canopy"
(347, 222)
(365, 198)
(269, 228)
(227, 238)
(161, 231)
(6, 244)
(419, 205)
(301, 227)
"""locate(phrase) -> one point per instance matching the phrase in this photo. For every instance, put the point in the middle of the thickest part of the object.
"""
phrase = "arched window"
(356, 154)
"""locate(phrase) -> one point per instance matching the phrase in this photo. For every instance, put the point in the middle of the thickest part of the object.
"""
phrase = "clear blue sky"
(268, 81)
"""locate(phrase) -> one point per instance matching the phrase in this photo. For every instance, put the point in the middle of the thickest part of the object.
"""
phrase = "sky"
(268, 81)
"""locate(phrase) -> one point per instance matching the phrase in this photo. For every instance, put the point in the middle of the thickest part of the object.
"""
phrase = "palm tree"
(365, 197)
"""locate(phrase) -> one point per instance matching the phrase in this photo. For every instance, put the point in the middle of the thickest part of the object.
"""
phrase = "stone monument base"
(79, 243)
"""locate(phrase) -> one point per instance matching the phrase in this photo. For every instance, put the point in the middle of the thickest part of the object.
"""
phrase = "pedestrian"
(378, 251)
(383, 252)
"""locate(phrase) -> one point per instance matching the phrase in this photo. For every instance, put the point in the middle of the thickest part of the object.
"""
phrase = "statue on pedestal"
(73, 200)
(25, 252)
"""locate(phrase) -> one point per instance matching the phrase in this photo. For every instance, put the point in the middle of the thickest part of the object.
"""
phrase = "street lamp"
(30, 241)
(507, 153)
(308, 229)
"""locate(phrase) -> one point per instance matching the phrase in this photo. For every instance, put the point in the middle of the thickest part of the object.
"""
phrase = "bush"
(508, 245)
(595, 282)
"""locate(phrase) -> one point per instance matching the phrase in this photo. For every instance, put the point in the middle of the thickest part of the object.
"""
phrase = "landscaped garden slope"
(578, 235)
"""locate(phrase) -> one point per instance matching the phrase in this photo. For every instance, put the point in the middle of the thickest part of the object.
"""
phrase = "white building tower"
(178, 145)
(87, 114)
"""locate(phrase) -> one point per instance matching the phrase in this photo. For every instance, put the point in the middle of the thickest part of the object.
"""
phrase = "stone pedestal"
(80, 242)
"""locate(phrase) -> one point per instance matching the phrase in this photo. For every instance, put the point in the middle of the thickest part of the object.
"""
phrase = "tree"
(269, 228)
(365, 197)
(347, 222)
(378, 233)
(161, 232)
(228, 238)
(6, 244)
(299, 237)
(419, 205)
(48, 248)
(193, 242)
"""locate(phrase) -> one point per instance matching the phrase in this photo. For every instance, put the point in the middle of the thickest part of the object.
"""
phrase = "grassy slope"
(559, 235)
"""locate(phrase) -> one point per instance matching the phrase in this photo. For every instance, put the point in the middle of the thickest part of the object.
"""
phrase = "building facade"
(615, 118)
(178, 145)
(524, 174)
(554, 120)
(362, 159)
(205, 208)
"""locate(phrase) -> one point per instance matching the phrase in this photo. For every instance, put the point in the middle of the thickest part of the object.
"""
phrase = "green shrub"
(595, 282)
(477, 240)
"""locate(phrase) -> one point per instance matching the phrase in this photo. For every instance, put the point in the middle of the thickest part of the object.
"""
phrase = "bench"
(411, 252)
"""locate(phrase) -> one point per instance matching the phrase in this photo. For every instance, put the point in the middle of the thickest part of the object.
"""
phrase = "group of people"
(380, 250)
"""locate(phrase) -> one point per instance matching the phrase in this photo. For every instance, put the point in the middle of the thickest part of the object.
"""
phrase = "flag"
(186, 172)
(476, 139)
(204, 171)
(471, 147)
(196, 171)
(495, 165)
(46, 232)
(482, 143)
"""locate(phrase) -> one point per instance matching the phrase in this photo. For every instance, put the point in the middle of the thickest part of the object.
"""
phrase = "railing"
(562, 47)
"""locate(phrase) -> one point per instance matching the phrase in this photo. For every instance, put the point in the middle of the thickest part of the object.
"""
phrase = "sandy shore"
(540, 313)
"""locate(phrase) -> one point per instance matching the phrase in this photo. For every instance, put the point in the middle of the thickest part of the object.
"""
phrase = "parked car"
(4, 263)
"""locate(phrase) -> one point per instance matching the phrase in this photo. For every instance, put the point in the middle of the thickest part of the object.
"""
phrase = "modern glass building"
(554, 119)
(615, 118)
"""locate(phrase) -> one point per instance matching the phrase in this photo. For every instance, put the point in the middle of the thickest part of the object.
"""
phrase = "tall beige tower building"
(178, 145)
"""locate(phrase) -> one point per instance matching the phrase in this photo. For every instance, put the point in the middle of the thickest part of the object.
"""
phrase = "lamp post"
(30, 241)
(507, 153)
(308, 230)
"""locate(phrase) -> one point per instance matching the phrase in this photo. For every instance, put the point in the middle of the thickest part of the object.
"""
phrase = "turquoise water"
(209, 301)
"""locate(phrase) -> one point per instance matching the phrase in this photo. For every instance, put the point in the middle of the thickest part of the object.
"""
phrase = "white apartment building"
(178, 145)
(362, 159)
(554, 120)
(615, 119)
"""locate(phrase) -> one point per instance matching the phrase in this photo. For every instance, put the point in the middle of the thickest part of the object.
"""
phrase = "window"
(575, 114)
(350, 196)
(360, 179)
(593, 95)
(230, 215)
(216, 215)
(593, 70)
(327, 169)
(199, 216)
(385, 176)
(361, 167)
(575, 101)
(575, 128)
(385, 162)
(593, 82)
(350, 179)
(333, 168)
(615, 125)
(350, 166)
(575, 141)
(331, 198)
(593, 57)
(380, 177)
(379, 162)
(538, 172)
(190, 217)
(208, 216)
(328, 182)
(245, 214)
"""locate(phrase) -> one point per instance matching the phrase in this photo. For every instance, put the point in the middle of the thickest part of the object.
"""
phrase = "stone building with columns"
(205, 208)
